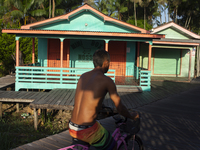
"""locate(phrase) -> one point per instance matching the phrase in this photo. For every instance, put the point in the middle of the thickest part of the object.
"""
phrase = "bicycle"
(124, 135)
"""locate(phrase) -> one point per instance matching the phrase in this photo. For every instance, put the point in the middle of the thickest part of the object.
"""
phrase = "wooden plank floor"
(6, 81)
(60, 99)
(170, 123)
(20, 96)
(62, 139)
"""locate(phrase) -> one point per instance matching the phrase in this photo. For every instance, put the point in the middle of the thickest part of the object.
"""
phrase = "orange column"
(33, 50)
(106, 45)
(61, 53)
(17, 52)
(149, 57)
(68, 57)
(138, 54)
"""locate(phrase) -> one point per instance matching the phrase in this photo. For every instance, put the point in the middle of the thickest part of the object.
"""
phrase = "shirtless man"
(90, 92)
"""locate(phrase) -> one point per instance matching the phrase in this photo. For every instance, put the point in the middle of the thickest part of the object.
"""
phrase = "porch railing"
(28, 77)
(144, 78)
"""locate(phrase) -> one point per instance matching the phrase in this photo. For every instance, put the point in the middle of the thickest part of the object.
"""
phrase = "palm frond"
(17, 14)
(59, 12)
(38, 12)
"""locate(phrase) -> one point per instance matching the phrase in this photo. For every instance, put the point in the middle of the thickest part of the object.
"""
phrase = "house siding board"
(172, 34)
(94, 23)
(81, 52)
(130, 58)
(42, 51)
(167, 61)
(185, 63)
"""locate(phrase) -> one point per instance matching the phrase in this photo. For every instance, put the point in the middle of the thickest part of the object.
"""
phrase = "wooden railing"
(144, 78)
(28, 77)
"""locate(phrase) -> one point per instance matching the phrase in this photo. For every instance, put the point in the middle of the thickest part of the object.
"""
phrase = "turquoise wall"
(94, 23)
(81, 52)
(42, 51)
(172, 34)
(130, 58)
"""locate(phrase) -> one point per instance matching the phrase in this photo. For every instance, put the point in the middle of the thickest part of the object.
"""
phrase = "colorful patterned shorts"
(95, 135)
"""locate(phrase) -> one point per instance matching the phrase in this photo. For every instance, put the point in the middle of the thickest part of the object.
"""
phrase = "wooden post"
(197, 51)
(138, 54)
(106, 45)
(17, 107)
(33, 50)
(35, 118)
(17, 52)
(189, 72)
(44, 113)
(1, 112)
(68, 57)
(61, 54)
(149, 57)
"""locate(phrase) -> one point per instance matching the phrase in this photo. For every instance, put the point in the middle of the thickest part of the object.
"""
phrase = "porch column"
(17, 51)
(197, 51)
(68, 57)
(138, 54)
(106, 45)
(149, 57)
(61, 52)
(33, 50)
(189, 72)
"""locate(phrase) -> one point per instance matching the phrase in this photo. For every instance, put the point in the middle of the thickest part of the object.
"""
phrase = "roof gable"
(86, 21)
(108, 24)
(174, 31)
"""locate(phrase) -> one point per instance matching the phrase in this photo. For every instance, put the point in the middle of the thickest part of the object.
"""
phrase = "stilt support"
(35, 118)
(44, 114)
(1, 112)
(17, 107)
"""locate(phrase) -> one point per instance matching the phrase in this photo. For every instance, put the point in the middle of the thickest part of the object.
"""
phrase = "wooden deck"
(7, 81)
(170, 123)
(62, 139)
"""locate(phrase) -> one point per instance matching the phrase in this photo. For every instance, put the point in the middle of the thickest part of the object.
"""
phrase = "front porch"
(32, 77)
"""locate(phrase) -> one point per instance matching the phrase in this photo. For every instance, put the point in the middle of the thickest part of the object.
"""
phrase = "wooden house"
(66, 44)
(174, 55)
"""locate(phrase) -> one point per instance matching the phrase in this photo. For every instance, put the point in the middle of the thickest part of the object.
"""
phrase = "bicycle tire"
(138, 145)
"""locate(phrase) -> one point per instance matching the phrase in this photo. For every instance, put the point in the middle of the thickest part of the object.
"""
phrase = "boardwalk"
(7, 81)
(170, 123)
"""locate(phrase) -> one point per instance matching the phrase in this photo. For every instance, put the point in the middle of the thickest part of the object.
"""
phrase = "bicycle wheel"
(138, 145)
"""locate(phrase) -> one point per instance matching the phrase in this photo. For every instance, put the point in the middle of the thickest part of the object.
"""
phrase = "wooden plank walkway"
(62, 139)
(170, 123)
(7, 81)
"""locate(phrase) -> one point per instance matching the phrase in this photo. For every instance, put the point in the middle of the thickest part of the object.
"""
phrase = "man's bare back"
(90, 92)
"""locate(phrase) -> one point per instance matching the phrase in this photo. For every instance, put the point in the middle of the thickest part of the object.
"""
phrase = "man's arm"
(122, 110)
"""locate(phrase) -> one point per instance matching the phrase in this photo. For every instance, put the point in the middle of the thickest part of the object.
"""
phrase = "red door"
(117, 51)
(54, 53)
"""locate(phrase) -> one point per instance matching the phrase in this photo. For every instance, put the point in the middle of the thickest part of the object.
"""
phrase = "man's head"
(101, 58)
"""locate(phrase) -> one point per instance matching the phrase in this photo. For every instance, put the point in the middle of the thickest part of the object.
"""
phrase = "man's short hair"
(99, 57)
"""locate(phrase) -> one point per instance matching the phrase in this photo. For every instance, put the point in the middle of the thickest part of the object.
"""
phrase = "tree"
(144, 3)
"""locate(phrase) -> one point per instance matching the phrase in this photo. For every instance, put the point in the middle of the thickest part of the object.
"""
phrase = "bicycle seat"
(77, 141)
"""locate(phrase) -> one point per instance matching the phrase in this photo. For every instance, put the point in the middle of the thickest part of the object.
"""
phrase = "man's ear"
(105, 64)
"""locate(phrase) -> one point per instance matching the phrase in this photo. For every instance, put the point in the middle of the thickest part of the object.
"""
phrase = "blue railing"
(28, 77)
(144, 78)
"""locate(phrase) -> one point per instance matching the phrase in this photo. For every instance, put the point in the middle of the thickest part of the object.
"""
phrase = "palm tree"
(144, 3)
(24, 9)
(135, 15)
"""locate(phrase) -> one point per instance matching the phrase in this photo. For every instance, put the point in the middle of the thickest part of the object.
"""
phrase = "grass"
(16, 131)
